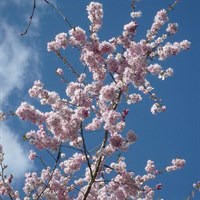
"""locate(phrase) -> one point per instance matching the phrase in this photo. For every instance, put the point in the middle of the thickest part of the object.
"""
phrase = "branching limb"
(85, 151)
(103, 145)
(54, 168)
(54, 8)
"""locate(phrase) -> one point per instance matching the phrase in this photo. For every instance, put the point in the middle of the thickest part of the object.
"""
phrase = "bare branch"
(60, 13)
(30, 18)
(85, 151)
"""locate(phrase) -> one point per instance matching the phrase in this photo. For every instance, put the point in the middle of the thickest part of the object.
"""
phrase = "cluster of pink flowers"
(95, 15)
(28, 112)
(172, 28)
(77, 36)
(59, 42)
(177, 163)
(34, 185)
(150, 167)
(73, 164)
(160, 19)
(115, 68)
(156, 108)
(41, 140)
(197, 185)
(172, 49)
(32, 155)
(2, 116)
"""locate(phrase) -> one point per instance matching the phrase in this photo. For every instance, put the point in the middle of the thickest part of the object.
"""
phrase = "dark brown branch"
(85, 151)
(103, 145)
(171, 7)
(54, 168)
(65, 61)
(40, 159)
(60, 13)
(30, 18)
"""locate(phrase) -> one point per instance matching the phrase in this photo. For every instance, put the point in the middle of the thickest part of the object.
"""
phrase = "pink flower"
(59, 71)
(130, 28)
(156, 108)
(154, 69)
(116, 141)
(2, 116)
(136, 14)
(28, 112)
(106, 47)
(177, 163)
(77, 36)
(32, 155)
(172, 28)
(131, 136)
(150, 167)
(95, 15)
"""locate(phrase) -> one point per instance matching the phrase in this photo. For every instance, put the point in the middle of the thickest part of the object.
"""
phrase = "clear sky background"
(175, 133)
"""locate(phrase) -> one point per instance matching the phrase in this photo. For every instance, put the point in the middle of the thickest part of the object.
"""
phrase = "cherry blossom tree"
(115, 76)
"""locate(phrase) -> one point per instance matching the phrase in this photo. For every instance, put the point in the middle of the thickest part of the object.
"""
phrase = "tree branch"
(60, 13)
(30, 19)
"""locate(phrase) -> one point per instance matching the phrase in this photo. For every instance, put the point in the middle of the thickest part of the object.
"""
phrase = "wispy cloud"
(15, 154)
(15, 62)
(18, 63)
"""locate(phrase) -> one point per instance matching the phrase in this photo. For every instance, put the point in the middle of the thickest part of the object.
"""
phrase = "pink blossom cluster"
(73, 164)
(136, 14)
(32, 155)
(28, 112)
(113, 71)
(177, 163)
(113, 121)
(133, 98)
(59, 42)
(129, 29)
(172, 49)
(2, 116)
(159, 20)
(41, 140)
(34, 185)
(172, 28)
(5, 181)
(196, 185)
(95, 15)
(156, 108)
(150, 167)
(77, 36)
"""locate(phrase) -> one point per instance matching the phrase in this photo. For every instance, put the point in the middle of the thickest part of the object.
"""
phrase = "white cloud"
(17, 67)
(14, 62)
(15, 154)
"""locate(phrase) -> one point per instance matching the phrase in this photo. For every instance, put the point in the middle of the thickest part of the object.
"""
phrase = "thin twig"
(85, 151)
(171, 7)
(40, 159)
(65, 61)
(74, 148)
(30, 18)
(60, 13)
(54, 168)
(51, 155)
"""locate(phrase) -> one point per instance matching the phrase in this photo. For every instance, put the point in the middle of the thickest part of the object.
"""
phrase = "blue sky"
(174, 133)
